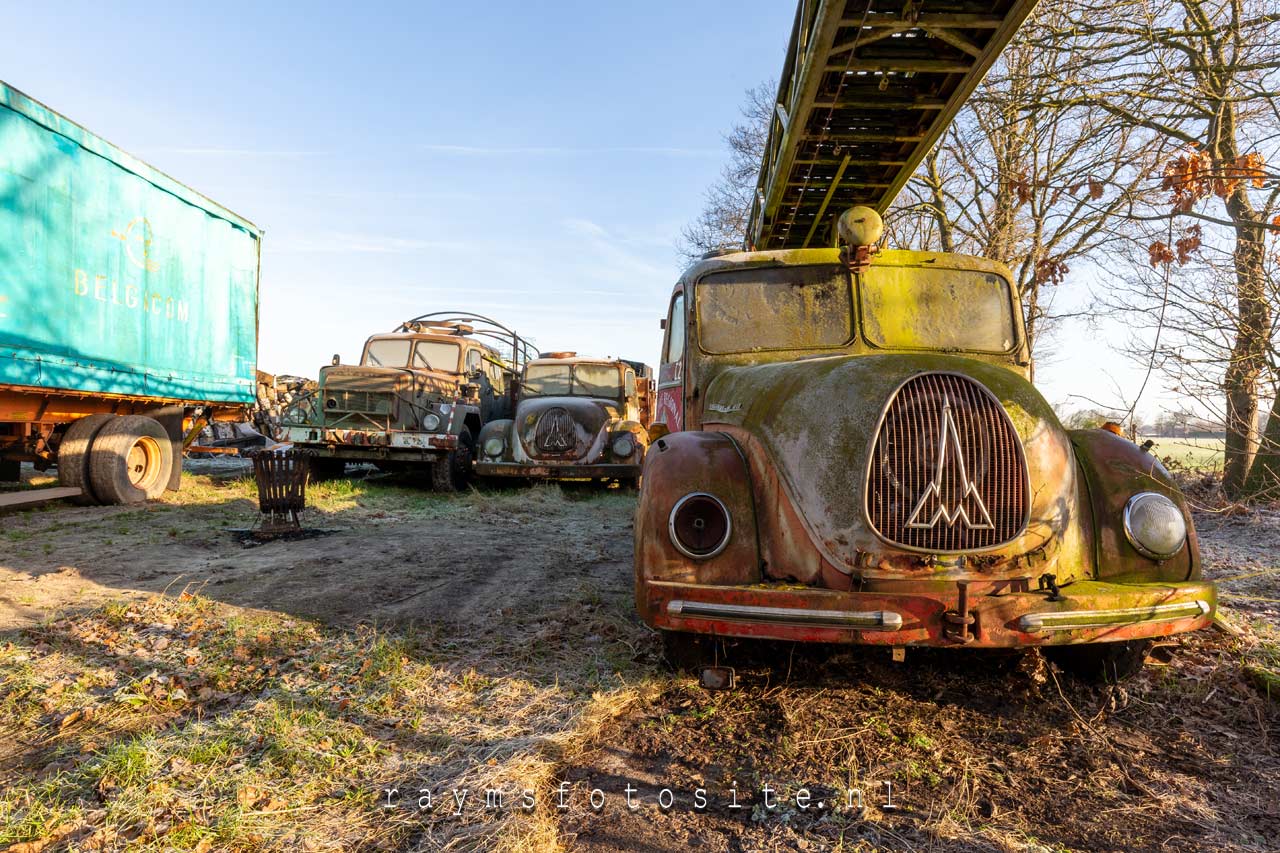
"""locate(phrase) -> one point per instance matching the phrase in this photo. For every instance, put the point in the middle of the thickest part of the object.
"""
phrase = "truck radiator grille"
(556, 433)
(367, 402)
(947, 470)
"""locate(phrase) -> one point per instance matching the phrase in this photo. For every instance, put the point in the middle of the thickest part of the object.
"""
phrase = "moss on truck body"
(855, 453)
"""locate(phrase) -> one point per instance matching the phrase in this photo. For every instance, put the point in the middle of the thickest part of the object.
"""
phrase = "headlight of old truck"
(431, 422)
(493, 446)
(623, 445)
(699, 525)
(1154, 525)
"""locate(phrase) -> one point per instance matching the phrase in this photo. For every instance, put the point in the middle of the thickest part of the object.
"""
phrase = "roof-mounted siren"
(859, 230)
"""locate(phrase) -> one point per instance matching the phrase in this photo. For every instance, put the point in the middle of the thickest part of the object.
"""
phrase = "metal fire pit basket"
(282, 488)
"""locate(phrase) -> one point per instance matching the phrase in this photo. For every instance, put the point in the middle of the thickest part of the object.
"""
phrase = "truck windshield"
(774, 308)
(933, 308)
(388, 352)
(577, 380)
(436, 355)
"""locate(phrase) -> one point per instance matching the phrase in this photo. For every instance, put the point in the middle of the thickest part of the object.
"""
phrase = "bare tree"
(1201, 75)
(723, 220)
(1032, 184)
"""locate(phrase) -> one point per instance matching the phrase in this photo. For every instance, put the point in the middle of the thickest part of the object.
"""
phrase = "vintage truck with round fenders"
(418, 398)
(576, 418)
(856, 455)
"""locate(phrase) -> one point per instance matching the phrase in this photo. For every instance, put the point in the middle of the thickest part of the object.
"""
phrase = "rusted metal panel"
(575, 418)
(998, 615)
(866, 90)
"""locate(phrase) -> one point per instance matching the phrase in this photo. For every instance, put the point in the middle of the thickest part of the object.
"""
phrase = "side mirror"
(336, 360)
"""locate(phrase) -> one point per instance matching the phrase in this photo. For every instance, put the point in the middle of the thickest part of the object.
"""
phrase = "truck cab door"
(670, 406)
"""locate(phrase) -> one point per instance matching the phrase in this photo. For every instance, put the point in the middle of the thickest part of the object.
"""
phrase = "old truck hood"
(563, 427)
(816, 419)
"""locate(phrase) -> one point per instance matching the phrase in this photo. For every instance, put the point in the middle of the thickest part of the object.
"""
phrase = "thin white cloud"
(341, 243)
(529, 151)
(231, 152)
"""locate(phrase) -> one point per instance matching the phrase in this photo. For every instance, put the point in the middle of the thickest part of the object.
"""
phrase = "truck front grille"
(365, 402)
(947, 470)
(556, 432)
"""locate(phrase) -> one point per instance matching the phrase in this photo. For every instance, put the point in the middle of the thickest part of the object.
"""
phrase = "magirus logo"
(932, 502)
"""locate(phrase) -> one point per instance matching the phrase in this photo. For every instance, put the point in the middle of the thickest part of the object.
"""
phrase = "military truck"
(418, 398)
(856, 455)
(575, 419)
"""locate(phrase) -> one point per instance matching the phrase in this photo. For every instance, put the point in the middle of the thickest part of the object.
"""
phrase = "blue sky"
(530, 161)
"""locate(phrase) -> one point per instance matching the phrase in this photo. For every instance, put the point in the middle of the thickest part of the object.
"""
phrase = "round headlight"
(431, 422)
(493, 446)
(699, 525)
(1154, 525)
(331, 403)
(623, 445)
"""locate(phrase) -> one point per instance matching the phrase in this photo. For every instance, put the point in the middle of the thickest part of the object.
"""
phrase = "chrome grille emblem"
(947, 472)
(556, 432)
(949, 440)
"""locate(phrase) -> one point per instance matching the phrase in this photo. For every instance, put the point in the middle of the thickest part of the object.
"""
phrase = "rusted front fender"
(677, 465)
(1115, 469)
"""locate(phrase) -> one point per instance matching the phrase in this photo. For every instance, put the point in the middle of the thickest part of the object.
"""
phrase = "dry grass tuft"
(184, 724)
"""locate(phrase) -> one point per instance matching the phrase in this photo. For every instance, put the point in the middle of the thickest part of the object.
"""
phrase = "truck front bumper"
(369, 444)
(992, 617)
(567, 471)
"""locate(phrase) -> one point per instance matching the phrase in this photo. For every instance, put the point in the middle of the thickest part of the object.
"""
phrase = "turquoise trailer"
(128, 306)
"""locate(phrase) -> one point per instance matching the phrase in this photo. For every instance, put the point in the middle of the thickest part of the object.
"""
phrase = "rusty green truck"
(418, 398)
(856, 454)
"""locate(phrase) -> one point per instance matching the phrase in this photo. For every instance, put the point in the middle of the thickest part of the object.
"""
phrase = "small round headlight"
(331, 403)
(431, 422)
(493, 446)
(699, 525)
(1154, 525)
(623, 445)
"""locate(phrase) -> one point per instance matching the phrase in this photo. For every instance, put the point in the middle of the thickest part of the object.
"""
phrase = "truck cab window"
(675, 331)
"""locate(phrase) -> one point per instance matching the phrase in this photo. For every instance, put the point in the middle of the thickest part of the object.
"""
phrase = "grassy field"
(1197, 454)
(165, 688)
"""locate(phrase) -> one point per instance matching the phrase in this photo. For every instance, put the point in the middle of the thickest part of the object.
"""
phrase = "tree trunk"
(1248, 354)
(1263, 480)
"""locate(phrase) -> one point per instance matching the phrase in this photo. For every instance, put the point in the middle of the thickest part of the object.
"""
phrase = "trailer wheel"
(452, 472)
(131, 460)
(73, 456)
(1101, 662)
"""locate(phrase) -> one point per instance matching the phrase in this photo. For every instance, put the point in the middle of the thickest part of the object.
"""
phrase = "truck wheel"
(452, 472)
(131, 460)
(73, 456)
(1100, 662)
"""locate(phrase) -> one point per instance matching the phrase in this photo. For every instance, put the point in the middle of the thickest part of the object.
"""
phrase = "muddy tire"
(686, 652)
(1100, 663)
(73, 456)
(130, 461)
(452, 472)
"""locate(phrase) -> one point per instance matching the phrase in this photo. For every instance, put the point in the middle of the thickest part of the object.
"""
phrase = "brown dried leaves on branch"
(1195, 175)
(1183, 248)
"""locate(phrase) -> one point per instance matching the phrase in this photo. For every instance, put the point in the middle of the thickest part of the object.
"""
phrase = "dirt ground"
(533, 589)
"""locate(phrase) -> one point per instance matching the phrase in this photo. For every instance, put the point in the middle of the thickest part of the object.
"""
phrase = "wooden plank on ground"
(33, 497)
